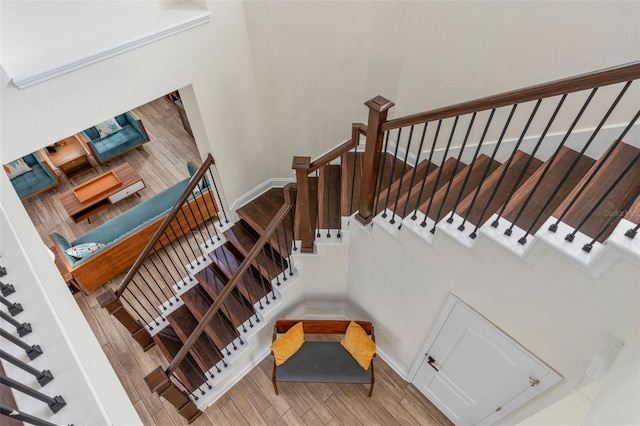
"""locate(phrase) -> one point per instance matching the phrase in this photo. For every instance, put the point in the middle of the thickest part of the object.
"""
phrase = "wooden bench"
(321, 361)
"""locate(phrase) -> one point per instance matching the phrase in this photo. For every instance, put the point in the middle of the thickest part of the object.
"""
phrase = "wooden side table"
(72, 158)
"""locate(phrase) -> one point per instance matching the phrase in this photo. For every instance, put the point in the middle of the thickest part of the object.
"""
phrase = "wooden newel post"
(159, 382)
(378, 108)
(113, 305)
(304, 221)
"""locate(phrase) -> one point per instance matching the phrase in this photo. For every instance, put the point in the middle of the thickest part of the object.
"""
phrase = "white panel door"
(474, 373)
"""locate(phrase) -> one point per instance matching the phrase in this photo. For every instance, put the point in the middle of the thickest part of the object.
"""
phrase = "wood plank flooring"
(252, 400)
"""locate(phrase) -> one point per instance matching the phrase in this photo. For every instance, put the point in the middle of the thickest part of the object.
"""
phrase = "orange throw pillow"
(359, 344)
(288, 344)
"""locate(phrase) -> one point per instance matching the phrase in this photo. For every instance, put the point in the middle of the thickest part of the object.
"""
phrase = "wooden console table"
(84, 201)
(71, 158)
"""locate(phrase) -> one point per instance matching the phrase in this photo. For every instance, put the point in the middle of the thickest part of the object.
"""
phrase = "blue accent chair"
(132, 136)
(40, 178)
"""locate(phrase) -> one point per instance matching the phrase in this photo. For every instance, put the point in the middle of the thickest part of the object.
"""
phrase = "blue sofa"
(126, 235)
(132, 135)
(39, 179)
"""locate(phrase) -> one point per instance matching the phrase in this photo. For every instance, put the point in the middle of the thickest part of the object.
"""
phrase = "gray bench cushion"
(322, 362)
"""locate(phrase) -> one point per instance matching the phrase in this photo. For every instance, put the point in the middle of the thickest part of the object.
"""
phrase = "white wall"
(273, 79)
(92, 391)
(612, 405)
(555, 310)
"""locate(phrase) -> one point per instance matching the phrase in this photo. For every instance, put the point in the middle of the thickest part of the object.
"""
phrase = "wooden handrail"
(618, 74)
(233, 282)
(195, 180)
(359, 128)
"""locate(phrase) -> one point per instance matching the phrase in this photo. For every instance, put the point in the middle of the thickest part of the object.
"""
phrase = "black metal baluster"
(629, 203)
(383, 158)
(14, 308)
(404, 166)
(455, 170)
(135, 310)
(413, 175)
(414, 216)
(326, 190)
(185, 233)
(55, 404)
(135, 284)
(485, 173)
(603, 159)
(516, 185)
(470, 168)
(158, 286)
(393, 170)
(6, 289)
(549, 162)
(33, 351)
(178, 277)
(506, 167)
(282, 261)
(21, 328)
(200, 212)
(287, 245)
(215, 187)
(22, 416)
(570, 237)
(353, 179)
(317, 205)
(43, 377)
(268, 279)
(186, 389)
(173, 246)
(293, 228)
(444, 158)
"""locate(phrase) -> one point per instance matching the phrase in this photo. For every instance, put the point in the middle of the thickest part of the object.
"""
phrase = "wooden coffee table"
(71, 158)
(89, 198)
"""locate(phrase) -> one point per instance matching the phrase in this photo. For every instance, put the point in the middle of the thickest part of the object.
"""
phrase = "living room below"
(145, 170)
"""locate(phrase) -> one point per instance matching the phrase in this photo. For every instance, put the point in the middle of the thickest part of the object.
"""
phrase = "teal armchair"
(40, 178)
(131, 136)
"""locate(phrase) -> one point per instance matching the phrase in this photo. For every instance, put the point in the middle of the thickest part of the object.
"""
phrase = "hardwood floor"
(252, 400)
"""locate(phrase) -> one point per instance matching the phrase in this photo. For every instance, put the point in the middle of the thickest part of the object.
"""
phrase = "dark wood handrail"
(233, 282)
(618, 74)
(358, 128)
(195, 179)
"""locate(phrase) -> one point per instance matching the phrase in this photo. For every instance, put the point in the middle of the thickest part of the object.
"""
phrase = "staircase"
(520, 197)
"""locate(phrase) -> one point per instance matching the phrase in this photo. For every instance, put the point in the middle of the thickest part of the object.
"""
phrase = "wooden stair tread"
(243, 241)
(259, 212)
(633, 213)
(329, 183)
(491, 205)
(250, 284)
(551, 180)
(410, 199)
(235, 307)
(188, 372)
(621, 156)
(400, 187)
(219, 329)
(392, 170)
(203, 351)
(351, 177)
(475, 173)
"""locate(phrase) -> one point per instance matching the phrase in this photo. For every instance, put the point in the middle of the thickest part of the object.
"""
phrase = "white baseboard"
(259, 190)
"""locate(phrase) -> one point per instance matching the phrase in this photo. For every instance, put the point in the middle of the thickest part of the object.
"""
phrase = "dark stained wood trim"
(159, 382)
(231, 285)
(109, 301)
(590, 80)
(378, 109)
